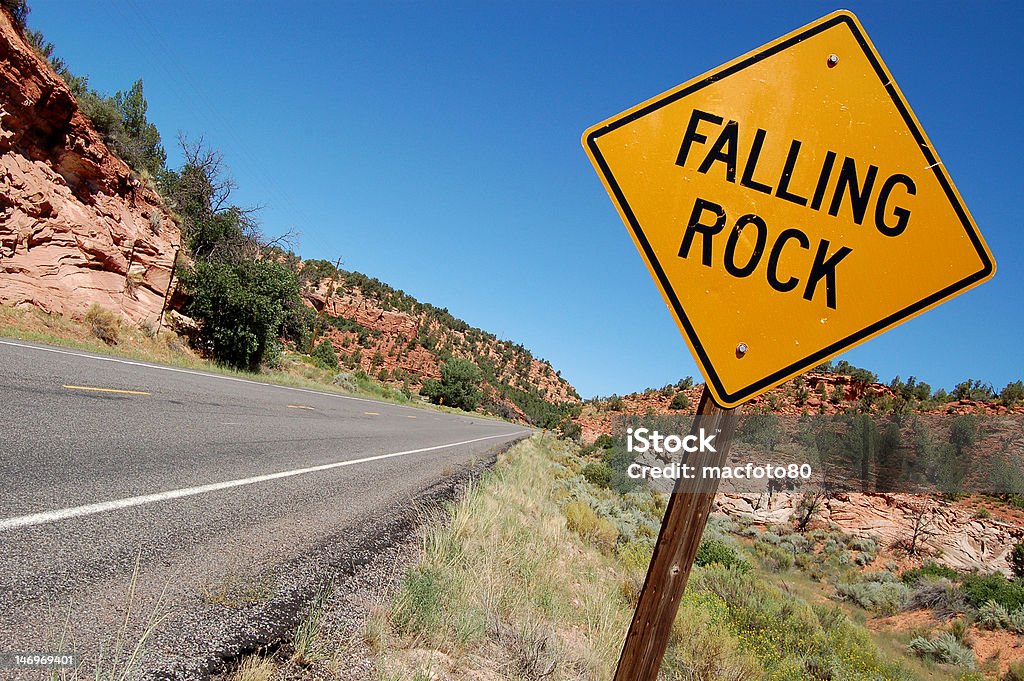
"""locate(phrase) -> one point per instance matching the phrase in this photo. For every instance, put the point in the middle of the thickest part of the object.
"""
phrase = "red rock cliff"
(76, 227)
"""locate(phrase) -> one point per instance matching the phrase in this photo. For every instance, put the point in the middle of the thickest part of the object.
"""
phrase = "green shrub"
(883, 598)
(761, 430)
(929, 569)
(680, 401)
(944, 649)
(598, 473)
(241, 305)
(963, 433)
(103, 114)
(458, 385)
(702, 647)
(273, 355)
(992, 615)
(103, 324)
(880, 576)
(1012, 394)
(604, 441)
(325, 354)
(973, 389)
(971, 675)
(979, 589)
(864, 544)
(636, 555)
(796, 543)
(1015, 672)
(858, 374)
(961, 630)
(1017, 560)
(137, 141)
(716, 551)
(863, 559)
(122, 123)
(1016, 623)
(569, 429)
(861, 550)
(774, 558)
(297, 324)
(787, 635)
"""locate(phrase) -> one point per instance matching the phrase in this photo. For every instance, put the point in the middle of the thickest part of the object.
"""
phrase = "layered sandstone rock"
(949, 533)
(76, 227)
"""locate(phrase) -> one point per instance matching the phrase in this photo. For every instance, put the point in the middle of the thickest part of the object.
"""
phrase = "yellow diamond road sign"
(789, 206)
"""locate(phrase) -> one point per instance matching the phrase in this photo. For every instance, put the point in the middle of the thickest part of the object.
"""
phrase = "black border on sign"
(814, 359)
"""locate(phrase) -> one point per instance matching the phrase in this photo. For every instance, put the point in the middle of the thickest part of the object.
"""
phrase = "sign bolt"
(741, 349)
(833, 59)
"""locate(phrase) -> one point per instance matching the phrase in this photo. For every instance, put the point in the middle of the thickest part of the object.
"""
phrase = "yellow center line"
(106, 390)
(371, 413)
(300, 406)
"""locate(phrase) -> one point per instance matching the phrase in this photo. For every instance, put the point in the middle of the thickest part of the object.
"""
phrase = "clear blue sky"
(435, 145)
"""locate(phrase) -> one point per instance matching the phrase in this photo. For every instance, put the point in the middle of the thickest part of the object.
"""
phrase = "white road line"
(177, 370)
(118, 504)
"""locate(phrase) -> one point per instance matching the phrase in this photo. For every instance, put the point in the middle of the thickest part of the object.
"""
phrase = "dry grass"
(103, 324)
(505, 589)
(306, 643)
(143, 344)
(581, 519)
(119, 657)
(254, 668)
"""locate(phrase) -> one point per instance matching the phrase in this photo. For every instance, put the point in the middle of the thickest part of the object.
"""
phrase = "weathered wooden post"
(688, 508)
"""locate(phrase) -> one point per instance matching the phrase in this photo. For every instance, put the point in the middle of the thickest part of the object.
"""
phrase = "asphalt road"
(210, 490)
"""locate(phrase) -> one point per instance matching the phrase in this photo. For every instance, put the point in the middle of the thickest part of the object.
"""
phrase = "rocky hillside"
(398, 340)
(815, 392)
(967, 533)
(76, 226)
